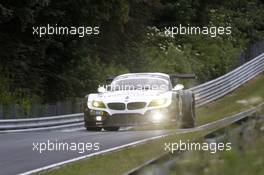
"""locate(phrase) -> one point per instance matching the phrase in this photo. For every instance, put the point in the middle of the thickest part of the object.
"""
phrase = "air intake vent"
(136, 105)
(117, 106)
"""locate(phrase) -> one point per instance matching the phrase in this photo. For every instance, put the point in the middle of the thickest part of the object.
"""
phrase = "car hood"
(131, 96)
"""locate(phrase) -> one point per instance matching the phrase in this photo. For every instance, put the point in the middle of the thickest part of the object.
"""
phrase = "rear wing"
(175, 77)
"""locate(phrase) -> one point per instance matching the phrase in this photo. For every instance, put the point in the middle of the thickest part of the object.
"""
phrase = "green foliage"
(54, 68)
(89, 73)
(169, 61)
(212, 57)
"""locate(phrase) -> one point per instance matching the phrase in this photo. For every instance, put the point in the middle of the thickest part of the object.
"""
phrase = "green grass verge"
(119, 162)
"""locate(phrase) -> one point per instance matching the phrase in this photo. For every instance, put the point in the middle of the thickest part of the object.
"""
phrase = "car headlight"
(157, 117)
(157, 102)
(98, 104)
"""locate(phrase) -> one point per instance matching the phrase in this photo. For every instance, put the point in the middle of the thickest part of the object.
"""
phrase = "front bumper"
(155, 116)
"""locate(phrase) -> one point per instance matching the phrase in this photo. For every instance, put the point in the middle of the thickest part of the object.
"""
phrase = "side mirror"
(178, 87)
(101, 90)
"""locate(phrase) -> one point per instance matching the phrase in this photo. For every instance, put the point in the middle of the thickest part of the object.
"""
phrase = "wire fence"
(14, 111)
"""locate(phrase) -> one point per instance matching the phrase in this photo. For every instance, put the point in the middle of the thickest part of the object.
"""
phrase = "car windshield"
(140, 84)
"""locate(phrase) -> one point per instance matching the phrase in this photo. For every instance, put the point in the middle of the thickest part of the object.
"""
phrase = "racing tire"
(111, 128)
(93, 128)
(188, 110)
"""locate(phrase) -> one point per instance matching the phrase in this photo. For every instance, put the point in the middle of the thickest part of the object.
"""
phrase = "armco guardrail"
(43, 122)
(223, 85)
(204, 93)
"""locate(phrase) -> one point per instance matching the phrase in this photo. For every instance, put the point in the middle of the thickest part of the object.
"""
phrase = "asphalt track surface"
(17, 155)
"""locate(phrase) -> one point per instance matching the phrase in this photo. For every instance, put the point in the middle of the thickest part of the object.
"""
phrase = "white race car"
(139, 98)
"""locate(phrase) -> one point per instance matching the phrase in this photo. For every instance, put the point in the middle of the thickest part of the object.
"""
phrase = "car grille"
(117, 106)
(136, 105)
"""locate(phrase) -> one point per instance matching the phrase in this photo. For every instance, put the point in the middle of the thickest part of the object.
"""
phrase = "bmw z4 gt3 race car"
(139, 98)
